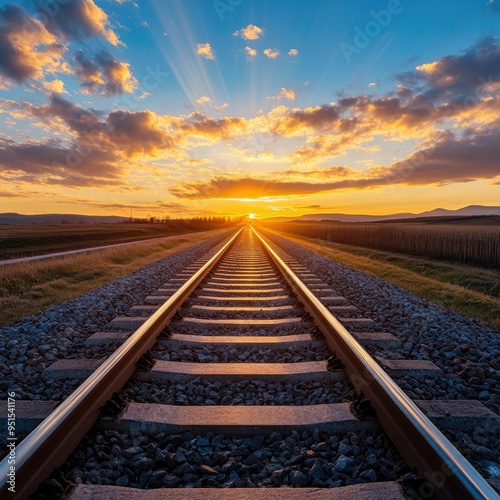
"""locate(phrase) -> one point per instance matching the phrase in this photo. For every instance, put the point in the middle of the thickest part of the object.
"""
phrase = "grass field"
(35, 239)
(477, 245)
(469, 290)
(28, 288)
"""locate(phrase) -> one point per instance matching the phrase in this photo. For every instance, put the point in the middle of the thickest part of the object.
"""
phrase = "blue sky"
(226, 106)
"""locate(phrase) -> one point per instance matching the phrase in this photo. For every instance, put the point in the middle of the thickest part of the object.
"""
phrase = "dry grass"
(34, 239)
(472, 245)
(31, 287)
(467, 290)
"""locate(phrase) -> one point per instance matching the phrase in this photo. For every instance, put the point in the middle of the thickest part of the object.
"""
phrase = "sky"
(184, 108)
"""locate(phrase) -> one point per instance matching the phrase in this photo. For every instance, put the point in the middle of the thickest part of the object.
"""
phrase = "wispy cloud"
(293, 52)
(284, 94)
(205, 100)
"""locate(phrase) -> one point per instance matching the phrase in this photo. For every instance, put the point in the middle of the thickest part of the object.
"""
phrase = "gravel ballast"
(248, 392)
(466, 351)
(298, 460)
(227, 354)
(33, 343)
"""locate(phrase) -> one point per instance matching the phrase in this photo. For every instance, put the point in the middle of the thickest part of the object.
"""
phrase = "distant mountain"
(14, 218)
(466, 211)
(471, 210)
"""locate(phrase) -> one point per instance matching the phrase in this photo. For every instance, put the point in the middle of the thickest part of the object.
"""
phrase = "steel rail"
(421, 443)
(48, 445)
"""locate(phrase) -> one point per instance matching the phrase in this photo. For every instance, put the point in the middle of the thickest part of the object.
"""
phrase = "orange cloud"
(299, 122)
(104, 74)
(77, 20)
(204, 99)
(271, 53)
(199, 125)
(449, 160)
(205, 50)
(284, 94)
(251, 32)
(27, 48)
(415, 109)
(250, 52)
(56, 86)
(293, 52)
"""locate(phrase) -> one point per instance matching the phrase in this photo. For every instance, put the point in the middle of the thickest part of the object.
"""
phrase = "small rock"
(206, 469)
(298, 478)
(130, 452)
(344, 464)
(171, 481)
(122, 481)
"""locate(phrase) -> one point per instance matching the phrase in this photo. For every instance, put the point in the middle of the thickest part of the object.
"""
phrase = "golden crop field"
(473, 245)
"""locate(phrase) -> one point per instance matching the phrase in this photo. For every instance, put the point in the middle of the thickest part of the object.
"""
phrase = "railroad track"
(242, 372)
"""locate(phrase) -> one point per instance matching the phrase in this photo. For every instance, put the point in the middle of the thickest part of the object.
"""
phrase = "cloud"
(251, 32)
(77, 20)
(49, 162)
(104, 74)
(301, 121)
(224, 105)
(199, 125)
(271, 53)
(27, 49)
(458, 76)
(470, 157)
(284, 94)
(293, 52)
(106, 144)
(287, 94)
(98, 154)
(141, 206)
(56, 86)
(236, 188)
(450, 160)
(133, 133)
(319, 173)
(205, 50)
(250, 52)
(416, 109)
(137, 133)
(204, 100)
(372, 84)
